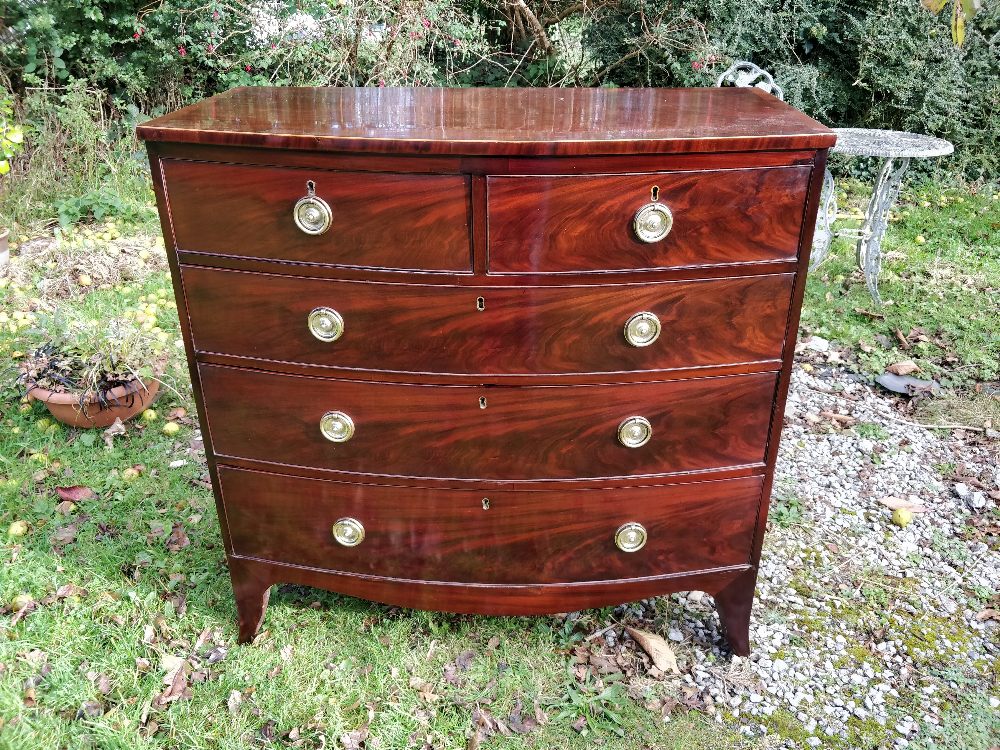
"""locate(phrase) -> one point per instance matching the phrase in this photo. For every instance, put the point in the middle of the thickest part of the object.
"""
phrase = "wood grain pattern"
(562, 224)
(451, 195)
(484, 121)
(522, 330)
(523, 537)
(252, 577)
(404, 221)
(542, 432)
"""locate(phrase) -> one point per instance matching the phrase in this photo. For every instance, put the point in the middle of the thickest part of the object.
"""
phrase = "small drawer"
(490, 536)
(481, 432)
(387, 221)
(571, 223)
(488, 330)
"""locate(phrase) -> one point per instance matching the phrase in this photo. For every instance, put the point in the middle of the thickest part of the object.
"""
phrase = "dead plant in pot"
(88, 371)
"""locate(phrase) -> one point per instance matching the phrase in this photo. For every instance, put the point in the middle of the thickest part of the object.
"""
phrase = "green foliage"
(884, 64)
(786, 509)
(11, 136)
(79, 162)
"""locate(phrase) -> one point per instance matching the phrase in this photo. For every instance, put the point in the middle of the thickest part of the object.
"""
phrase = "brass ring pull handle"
(642, 329)
(326, 324)
(634, 432)
(630, 537)
(312, 214)
(652, 222)
(349, 532)
(336, 426)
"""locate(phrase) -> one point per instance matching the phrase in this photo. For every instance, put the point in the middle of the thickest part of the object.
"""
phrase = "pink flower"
(215, 14)
(427, 23)
(210, 48)
(381, 83)
(247, 67)
(274, 46)
(135, 35)
(181, 51)
(697, 65)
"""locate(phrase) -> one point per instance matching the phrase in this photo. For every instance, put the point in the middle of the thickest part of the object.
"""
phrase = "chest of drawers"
(498, 351)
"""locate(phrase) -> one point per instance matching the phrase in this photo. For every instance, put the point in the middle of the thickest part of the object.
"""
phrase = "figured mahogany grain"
(562, 224)
(394, 221)
(523, 537)
(525, 432)
(499, 121)
(521, 330)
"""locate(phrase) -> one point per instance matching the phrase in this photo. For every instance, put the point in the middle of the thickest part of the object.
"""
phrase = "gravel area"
(863, 632)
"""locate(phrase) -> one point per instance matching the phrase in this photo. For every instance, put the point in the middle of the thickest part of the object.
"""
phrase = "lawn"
(128, 636)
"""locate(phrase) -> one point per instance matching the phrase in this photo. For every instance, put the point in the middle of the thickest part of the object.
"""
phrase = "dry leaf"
(77, 493)
(662, 655)
(178, 539)
(354, 740)
(65, 534)
(65, 507)
(988, 614)
(907, 367)
(234, 701)
(424, 689)
(897, 503)
(464, 660)
(113, 431)
(520, 724)
(176, 680)
(843, 420)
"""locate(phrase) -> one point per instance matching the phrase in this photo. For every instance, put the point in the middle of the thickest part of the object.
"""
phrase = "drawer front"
(561, 224)
(500, 432)
(528, 330)
(390, 221)
(523, 537)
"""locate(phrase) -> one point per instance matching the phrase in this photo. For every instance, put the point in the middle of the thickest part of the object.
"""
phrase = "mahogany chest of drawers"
(499, 351)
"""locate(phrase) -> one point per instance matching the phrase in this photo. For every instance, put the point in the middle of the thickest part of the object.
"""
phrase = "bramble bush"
(867, 63)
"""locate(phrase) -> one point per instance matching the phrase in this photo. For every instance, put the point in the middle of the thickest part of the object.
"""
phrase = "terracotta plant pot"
(125, 402)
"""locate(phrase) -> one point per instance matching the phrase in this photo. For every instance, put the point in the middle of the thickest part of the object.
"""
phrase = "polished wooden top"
(494, 121)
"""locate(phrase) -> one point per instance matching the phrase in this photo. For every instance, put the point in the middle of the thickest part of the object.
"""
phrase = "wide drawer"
(498, 432)
(572, 223)
(519, 330)
(474, 536)
(390, 221)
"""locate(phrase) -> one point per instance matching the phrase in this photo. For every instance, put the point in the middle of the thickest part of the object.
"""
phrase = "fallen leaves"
(76, 494)
(662, 655)
(175, 680)
(907, 367)
(897, 503)
(988, 614)
(178, 538)
(112, 432)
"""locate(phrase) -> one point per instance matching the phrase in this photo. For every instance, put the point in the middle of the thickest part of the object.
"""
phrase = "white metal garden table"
(896, 148)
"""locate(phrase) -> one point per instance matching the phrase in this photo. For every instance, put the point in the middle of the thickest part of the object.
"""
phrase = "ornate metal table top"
(889, 143)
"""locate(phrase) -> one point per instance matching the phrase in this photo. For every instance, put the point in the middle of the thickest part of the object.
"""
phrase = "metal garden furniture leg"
(877, 220)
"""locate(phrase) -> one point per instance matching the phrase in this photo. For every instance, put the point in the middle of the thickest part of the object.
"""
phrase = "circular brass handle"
(652, 222)
(336, 426)
(349, 532)
(326, 324)
(312, 215)
(630, 537)
(634, 432)
(642, 329)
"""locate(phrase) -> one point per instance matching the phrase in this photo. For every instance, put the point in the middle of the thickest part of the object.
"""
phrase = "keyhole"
(486, 503)
(480, 303)
(654, 194)
(482, 402)
(310, 187)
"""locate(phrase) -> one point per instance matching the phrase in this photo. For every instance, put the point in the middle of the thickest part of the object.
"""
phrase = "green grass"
(948, 285)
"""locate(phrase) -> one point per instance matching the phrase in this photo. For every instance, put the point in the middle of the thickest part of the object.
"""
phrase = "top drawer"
(413, 222)
(565, 224)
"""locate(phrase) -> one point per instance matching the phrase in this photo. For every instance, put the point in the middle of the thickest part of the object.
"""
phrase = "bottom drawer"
(522, 537)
